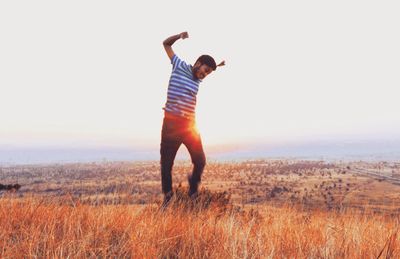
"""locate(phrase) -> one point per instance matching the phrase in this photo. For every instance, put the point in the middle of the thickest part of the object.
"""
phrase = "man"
(179, 117)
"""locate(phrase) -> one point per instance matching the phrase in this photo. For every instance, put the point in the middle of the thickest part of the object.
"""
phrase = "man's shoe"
(192, 188)
(167, 200)
(193, 193)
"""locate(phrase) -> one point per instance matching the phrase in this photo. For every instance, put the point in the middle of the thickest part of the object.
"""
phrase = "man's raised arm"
(171, 40)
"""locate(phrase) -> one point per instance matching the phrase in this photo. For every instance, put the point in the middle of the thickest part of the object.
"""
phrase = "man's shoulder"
(177, 62)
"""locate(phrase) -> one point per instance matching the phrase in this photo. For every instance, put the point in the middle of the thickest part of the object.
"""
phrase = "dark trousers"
(176, 131)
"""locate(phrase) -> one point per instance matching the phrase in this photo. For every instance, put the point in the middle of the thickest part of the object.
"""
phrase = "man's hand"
(171, 40)
(184, 35)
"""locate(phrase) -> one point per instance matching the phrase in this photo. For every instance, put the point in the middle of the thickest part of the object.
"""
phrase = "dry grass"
(209, 227)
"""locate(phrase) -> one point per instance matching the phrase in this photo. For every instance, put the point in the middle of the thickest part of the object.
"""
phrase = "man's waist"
(172, 116)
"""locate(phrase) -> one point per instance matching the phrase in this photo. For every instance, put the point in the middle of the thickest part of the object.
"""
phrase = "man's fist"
(184, 35)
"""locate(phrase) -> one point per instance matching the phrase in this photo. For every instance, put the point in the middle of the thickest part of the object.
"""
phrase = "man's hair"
(207, 60)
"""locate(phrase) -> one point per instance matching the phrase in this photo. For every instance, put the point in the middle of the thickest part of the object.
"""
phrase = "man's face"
(200, 71)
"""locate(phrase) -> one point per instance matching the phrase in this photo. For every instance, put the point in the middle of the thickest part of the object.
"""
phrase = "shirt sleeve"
(177, 62)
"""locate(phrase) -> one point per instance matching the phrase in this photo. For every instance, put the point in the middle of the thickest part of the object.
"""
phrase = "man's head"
(204, 65)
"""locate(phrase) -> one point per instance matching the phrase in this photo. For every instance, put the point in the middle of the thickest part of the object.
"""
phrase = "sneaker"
(192, 188)
(167, 200)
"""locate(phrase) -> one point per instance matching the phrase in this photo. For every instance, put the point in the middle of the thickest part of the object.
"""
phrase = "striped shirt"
(182, 90)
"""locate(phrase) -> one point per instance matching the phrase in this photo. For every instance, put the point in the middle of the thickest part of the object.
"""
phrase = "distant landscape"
(327, 150)
(311, 184)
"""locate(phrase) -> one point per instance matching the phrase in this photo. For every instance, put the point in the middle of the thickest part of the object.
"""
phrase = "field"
(249, 209)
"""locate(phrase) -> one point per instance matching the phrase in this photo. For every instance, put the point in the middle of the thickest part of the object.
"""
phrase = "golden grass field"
(249, 209)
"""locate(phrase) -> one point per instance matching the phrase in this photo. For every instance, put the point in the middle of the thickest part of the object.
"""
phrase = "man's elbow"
(167, 47)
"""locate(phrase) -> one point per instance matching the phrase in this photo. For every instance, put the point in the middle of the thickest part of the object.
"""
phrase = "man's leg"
(195, 148)
(168, 149)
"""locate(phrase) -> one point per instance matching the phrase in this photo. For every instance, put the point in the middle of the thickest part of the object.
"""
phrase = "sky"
(94, 73)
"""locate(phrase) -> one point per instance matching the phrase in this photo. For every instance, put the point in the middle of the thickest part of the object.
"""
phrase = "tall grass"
(208, 227)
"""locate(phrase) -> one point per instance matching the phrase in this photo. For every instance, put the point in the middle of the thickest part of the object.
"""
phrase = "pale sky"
(93, 73)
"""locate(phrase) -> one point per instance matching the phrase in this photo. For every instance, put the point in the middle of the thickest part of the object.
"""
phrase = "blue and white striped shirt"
(182, 90)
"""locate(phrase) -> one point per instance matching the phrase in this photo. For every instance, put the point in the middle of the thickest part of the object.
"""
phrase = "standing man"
(179, 117)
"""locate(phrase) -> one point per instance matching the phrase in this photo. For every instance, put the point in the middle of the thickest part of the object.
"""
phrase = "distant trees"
(10, 187)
